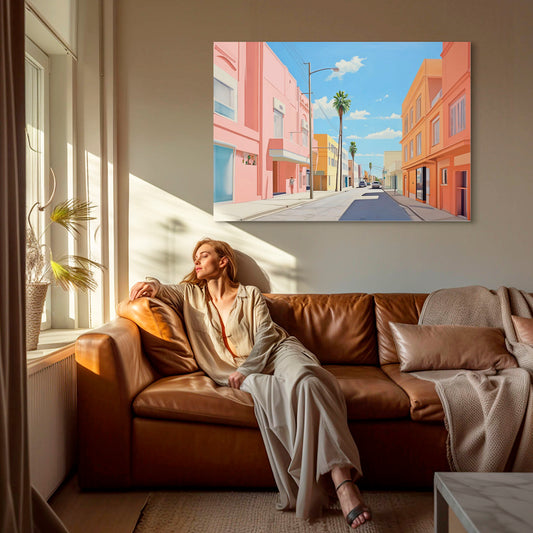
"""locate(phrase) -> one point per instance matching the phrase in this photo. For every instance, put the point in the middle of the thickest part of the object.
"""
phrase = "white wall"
(164, 76)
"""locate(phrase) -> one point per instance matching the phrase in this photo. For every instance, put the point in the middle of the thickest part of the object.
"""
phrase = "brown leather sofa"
(138, 428)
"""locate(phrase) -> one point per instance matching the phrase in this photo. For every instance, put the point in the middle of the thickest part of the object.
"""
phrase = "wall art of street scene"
(341, 131)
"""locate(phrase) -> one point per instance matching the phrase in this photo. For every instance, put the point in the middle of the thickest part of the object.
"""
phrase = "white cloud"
(382, 98)
(369, 155)
(389, 133)
(351, 66)
(392, 115)
(323, 106)
(358, 115)
(353, 137)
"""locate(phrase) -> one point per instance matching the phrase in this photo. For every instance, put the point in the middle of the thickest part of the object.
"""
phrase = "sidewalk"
(250, 210)
(420, 211)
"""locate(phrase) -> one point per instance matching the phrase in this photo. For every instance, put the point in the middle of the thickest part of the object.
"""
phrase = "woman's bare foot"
(351, 500)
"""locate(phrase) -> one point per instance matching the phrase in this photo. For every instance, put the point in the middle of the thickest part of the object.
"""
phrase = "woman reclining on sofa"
(299, 407)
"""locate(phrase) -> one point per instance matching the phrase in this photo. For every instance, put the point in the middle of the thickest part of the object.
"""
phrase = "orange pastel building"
(436, 132)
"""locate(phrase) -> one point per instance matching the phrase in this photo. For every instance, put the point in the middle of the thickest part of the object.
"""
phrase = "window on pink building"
(457, 116)
(405, 124)
(224, 99)
(405, 154)
(419, 144)
(418, 108)
(278, 124)
(411, 149)
(444, 176)
(305, 137)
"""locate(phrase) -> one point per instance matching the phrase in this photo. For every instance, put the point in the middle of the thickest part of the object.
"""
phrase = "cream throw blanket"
(488, 413)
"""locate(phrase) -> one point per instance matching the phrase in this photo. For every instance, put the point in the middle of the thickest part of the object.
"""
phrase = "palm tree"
(341, 103)
(353, 151)
(370, 173)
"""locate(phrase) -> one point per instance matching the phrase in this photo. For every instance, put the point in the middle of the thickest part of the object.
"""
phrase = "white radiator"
(52, 420)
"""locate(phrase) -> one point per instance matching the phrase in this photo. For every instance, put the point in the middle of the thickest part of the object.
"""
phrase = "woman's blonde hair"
(222, 249)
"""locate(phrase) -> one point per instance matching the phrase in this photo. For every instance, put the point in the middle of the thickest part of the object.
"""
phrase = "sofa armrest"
(111, 370)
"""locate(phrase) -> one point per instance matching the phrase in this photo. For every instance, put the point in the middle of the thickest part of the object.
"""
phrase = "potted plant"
(69, 272)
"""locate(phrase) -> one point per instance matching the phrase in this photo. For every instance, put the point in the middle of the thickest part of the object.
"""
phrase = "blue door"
(223, 170)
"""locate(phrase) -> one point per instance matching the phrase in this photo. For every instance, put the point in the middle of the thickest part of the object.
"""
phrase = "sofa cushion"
(337, 328)
(524, 329)
(197, 398)
(425, 405)
(442, 347)
(163, 335)
(394, 307)
(369, 393)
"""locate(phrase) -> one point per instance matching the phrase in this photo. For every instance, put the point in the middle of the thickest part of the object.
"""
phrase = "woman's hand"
(235, 380)
(142, 289)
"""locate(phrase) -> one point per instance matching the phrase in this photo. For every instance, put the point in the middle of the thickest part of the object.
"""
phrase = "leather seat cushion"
(425, 405)
(370, 394)
(197, 398)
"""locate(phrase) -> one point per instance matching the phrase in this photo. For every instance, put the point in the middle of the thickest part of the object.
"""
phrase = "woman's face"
(207, 264)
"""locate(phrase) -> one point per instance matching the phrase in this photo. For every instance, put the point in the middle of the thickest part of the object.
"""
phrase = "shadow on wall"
(250, 273)
(163, 230)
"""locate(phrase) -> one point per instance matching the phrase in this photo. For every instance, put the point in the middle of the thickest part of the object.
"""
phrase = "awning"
(289, 157)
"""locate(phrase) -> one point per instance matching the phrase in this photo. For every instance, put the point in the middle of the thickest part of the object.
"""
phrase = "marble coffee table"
(485, 502)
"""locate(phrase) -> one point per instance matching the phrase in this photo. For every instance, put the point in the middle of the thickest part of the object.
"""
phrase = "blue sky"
(375, 75)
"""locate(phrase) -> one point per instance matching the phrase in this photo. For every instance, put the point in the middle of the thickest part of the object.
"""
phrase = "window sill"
(53, 344)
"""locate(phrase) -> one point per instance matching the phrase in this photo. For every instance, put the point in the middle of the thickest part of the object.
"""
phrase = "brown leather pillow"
(162, 333)
(524, 329)
(450, 347)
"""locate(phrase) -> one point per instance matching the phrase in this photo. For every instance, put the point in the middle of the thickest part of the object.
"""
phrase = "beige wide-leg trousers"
(301, 412)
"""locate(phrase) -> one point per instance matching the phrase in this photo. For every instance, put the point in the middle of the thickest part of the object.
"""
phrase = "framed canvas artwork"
(342, 131)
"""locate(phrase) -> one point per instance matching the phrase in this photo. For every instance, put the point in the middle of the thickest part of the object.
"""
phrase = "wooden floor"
(101, 512)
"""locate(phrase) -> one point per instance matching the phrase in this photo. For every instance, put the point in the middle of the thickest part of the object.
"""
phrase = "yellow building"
(325, 172)
(419, 111)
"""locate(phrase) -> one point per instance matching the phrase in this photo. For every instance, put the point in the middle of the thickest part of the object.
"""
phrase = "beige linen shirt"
(250, 332)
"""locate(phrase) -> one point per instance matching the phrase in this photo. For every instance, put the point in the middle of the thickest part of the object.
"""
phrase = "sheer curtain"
(22, 510)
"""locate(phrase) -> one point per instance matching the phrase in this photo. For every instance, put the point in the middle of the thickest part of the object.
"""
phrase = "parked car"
(376, 185)
(362, 183)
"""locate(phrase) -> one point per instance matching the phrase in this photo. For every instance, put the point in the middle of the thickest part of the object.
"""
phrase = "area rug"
(254, 512)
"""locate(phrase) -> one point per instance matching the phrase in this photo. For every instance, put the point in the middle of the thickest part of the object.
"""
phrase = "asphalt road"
(351, 204)
(375, 204)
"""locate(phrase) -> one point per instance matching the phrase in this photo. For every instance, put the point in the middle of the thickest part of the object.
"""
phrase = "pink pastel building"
(260, 125)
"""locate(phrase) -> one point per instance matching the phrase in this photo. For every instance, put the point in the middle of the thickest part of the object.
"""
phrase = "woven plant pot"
(35, 296)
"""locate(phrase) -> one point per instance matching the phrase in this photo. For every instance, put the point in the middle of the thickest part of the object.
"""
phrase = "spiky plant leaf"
(71, 214)
(72, 276)
(75, 271)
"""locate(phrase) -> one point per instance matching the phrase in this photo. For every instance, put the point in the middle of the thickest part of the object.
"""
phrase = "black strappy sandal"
(356, 511)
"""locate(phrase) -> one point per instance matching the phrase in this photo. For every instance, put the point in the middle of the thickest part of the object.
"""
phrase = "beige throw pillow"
(450, 347)
(163, 336)
(524, 329)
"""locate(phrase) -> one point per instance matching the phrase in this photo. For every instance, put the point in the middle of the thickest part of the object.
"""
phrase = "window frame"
(458, 115)
(419, 143)
(435, 123)
(418, 108)
(222, 77)
(277, 113)
(38, 148)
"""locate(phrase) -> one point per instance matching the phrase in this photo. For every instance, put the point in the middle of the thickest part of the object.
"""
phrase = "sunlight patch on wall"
(163, 230)
(94, 235)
